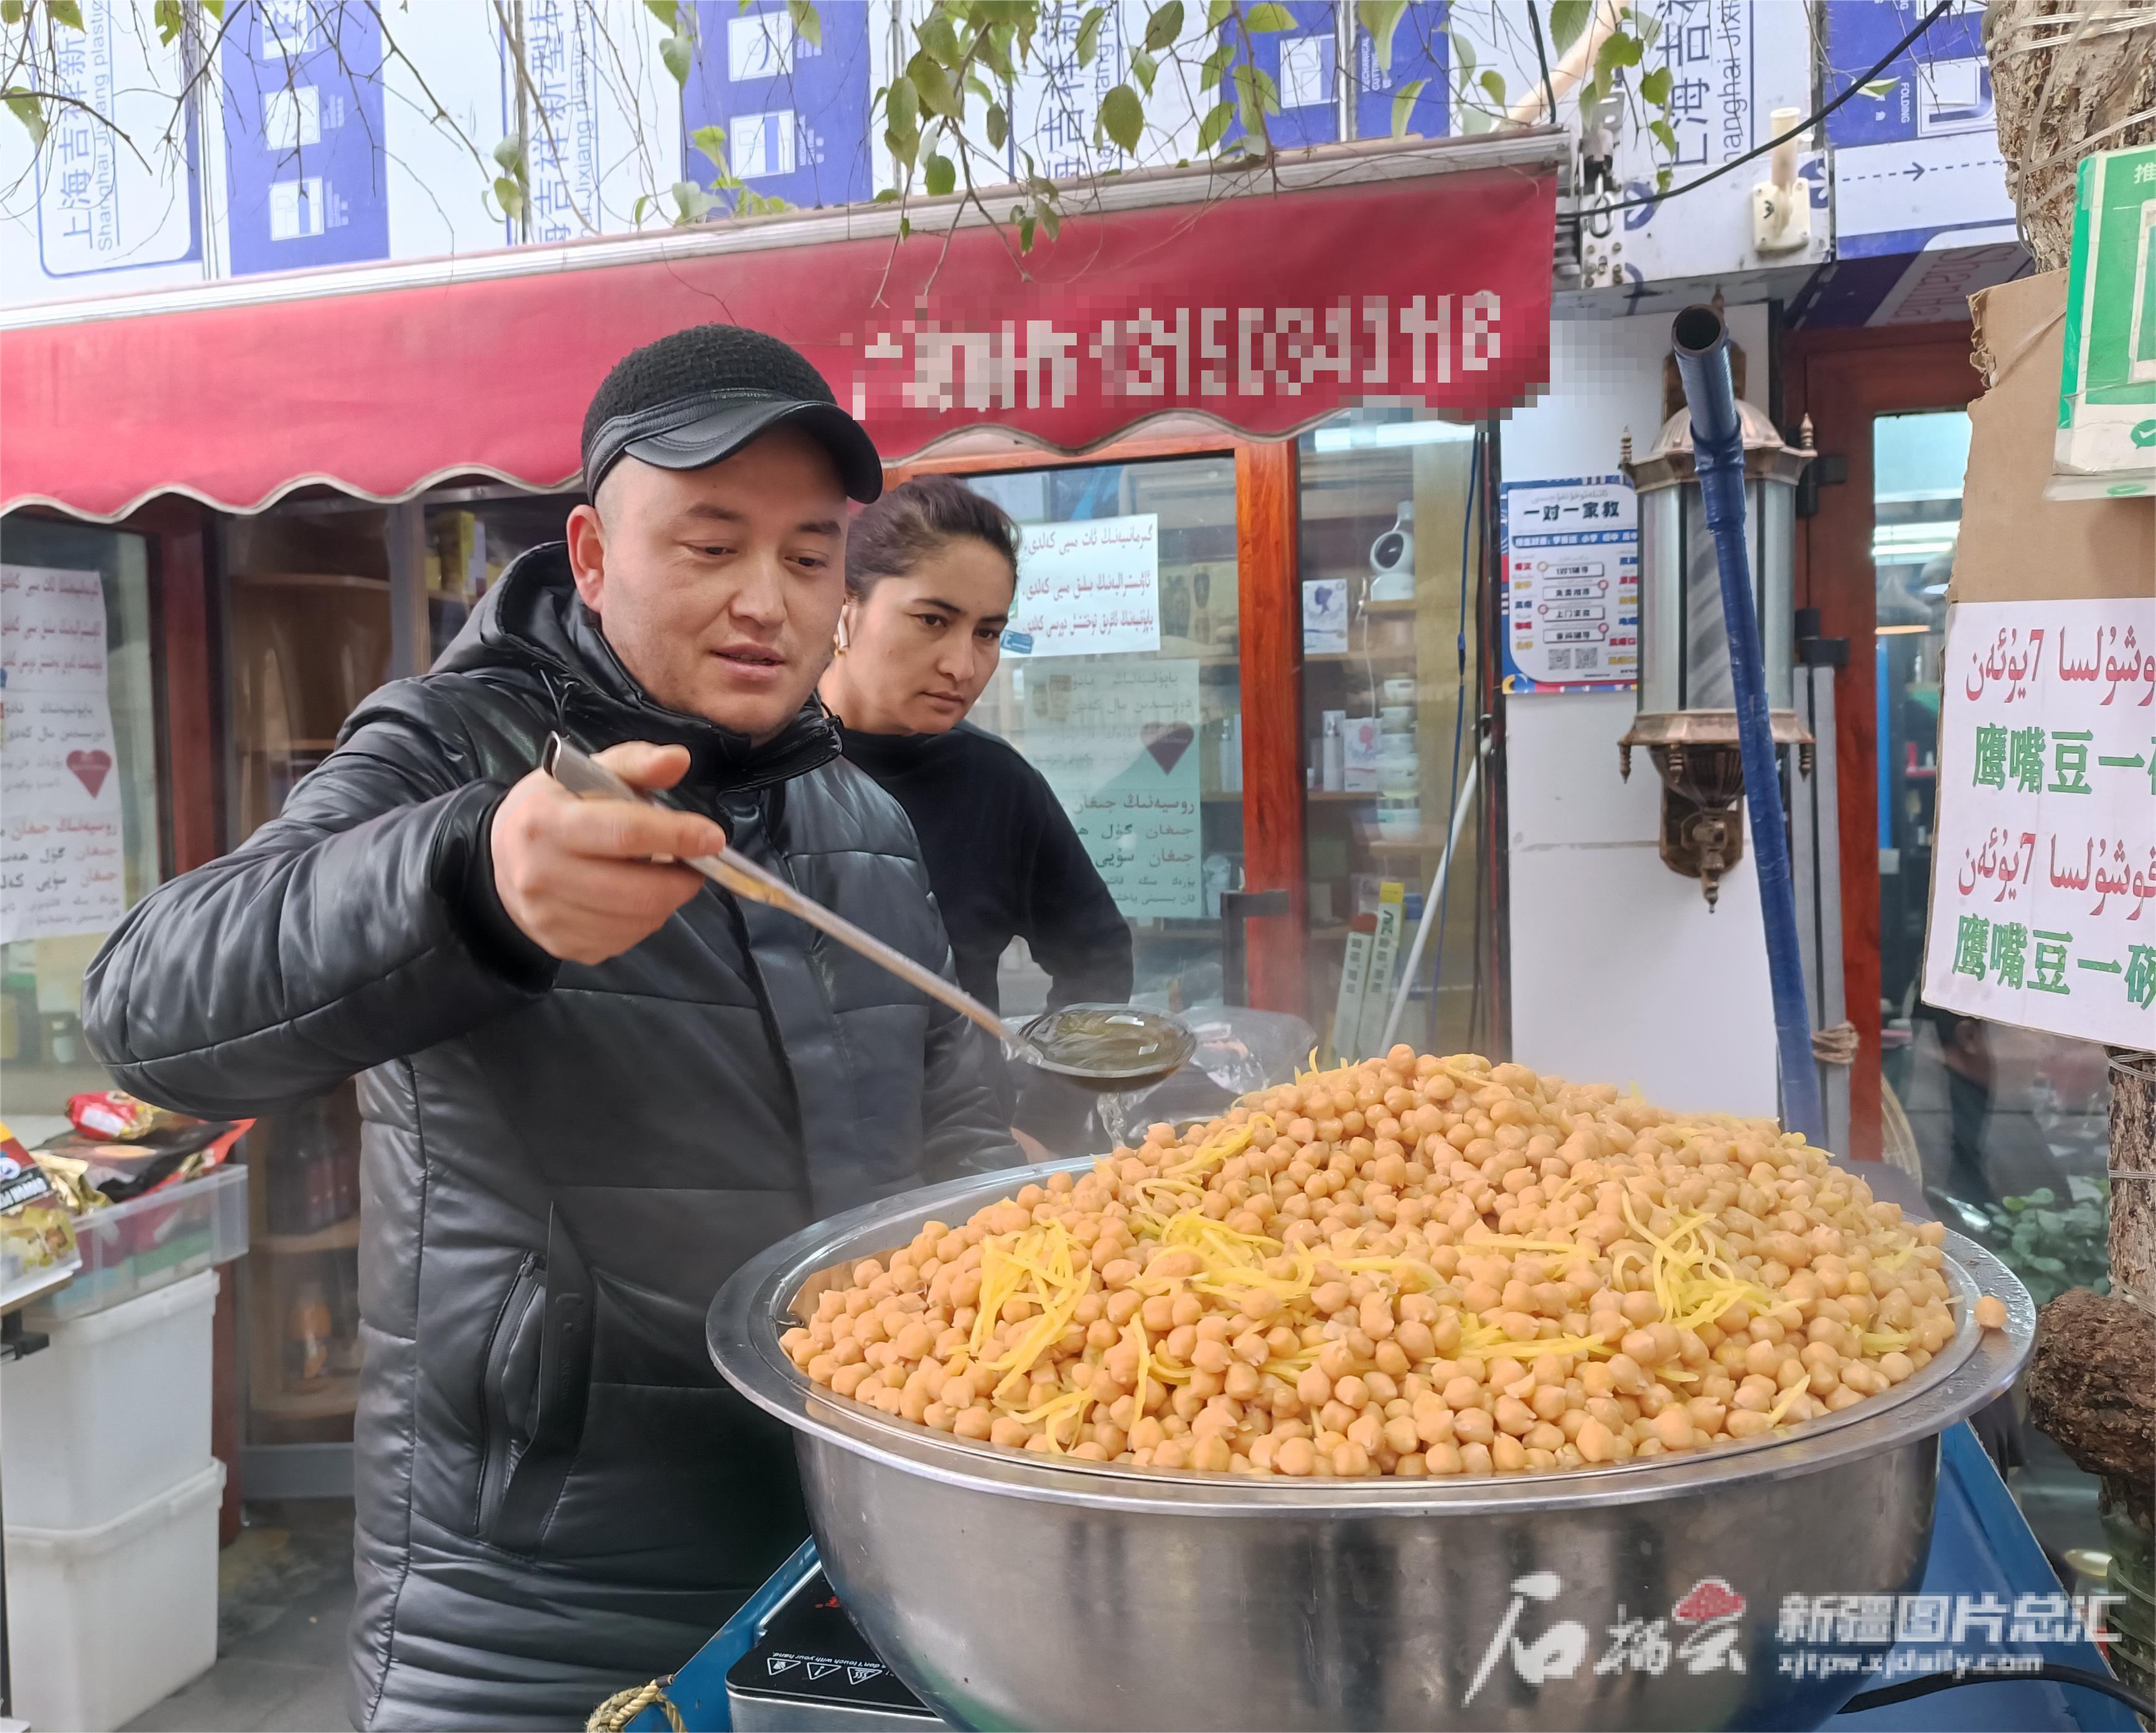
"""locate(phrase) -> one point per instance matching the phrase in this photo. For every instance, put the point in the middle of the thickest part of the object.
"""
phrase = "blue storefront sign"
(795, 113)
(306, 174)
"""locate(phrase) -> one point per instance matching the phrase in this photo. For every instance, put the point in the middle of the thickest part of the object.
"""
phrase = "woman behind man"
(930, 571)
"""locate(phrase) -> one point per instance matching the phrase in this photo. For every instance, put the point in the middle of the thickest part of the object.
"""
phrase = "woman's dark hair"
(915, 519)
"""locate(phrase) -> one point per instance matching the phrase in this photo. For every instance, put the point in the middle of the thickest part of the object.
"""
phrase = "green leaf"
(65, 12)
(1463, 56)
(1215, 126)
(1619, 49)
(905, 228)
(806, 24)
(1089, 33)
(1051, 219)
(933, 86)
(690, 201)
(1566, 19)
(2049, 1266)
(1214, 67)
(1476, 121)
(169, 18)
(902, 107)
(1493, 82)
(1664, 135)
(1403, 102)
(1216, 13)
(998, 126)
(939, 174)
(2043, 1194)
(510, 196)
(1122, 116)
(888, 195)
(678, 52)
(937, 37)
(1268, 18)
(1025, 233)
(1143, 67)
(24, 106)
(667, 11)
(2013, 1206)
(510, 152)
(711, 140)
(1163, 27)
(1655, 88)
(215, 8)
(1380, 20)
(904, 145)
(1257, 96)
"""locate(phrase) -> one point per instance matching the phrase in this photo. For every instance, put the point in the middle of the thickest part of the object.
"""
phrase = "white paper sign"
(62, 866)
(1091, 588)
(2044, 868)
(1118, 743)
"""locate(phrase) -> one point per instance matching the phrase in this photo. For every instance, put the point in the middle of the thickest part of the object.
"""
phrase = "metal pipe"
(1702, 343)
(1432, 900)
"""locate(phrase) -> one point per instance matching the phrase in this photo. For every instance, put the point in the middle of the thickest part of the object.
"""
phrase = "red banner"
(1266, 312)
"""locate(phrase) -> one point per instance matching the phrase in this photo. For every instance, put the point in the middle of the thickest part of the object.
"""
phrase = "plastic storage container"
(104, 1621)
(149, 1241)
(115, 1411)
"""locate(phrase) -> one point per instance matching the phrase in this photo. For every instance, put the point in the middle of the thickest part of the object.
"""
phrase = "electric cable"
(1801, 127)
(2058, 1674)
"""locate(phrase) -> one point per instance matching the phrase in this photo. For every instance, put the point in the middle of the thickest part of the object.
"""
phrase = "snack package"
(36, 1236)
(117, 1116)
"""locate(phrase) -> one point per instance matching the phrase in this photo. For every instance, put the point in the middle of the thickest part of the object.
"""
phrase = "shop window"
(1389, 706)
(308, 611)
(80, 815)
(1130, 701)
(471, 539)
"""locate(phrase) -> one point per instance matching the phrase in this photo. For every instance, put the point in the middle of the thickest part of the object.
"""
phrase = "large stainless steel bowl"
(1009, 1590)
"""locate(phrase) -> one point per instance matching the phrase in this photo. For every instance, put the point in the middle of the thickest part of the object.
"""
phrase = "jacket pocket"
(545, 1389)
(509, 1388)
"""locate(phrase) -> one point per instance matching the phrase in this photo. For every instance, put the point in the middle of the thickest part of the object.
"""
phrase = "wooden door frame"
(1268, 513)
(1843, 379)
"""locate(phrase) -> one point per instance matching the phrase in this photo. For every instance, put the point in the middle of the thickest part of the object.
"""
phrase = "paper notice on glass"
(61, 844)
(1118, 743)
(2043, 906)
(1091, 588)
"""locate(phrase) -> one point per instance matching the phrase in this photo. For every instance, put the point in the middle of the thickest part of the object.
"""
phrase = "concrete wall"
(1620, 973)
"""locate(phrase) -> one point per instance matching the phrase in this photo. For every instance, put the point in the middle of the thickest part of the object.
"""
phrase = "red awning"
(1416, 274)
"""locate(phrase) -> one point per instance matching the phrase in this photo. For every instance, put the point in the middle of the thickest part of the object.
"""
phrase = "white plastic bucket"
(115, 1411)
(104, 1621)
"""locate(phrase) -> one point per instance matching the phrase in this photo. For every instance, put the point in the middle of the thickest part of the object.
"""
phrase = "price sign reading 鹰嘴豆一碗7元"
(2044, 864)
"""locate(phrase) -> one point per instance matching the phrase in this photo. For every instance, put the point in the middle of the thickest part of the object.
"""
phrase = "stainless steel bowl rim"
(745, 1321)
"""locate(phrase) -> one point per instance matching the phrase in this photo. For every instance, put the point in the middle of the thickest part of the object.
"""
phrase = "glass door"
(309, 619)
(1128, 695)
(1388, 568)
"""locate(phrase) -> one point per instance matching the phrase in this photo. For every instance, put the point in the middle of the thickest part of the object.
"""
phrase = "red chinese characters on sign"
(1266, 312)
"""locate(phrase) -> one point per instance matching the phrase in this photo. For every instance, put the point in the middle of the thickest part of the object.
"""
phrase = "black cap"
(698, 397)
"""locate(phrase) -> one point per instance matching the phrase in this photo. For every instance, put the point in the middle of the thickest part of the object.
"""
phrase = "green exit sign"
(2106, 438)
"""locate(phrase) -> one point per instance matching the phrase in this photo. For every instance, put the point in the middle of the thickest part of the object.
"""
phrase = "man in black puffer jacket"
(592, 1085)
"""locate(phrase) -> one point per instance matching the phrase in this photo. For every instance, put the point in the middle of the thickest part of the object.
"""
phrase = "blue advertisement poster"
(1421, 52)
(795, 113)
(1941, 86)
(1303, 64)
(305, 173)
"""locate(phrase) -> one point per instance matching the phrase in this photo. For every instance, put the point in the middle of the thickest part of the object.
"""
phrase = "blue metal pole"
(1702, 343)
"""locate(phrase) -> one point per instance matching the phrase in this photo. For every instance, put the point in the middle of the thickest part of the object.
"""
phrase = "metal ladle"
(1167, 1043)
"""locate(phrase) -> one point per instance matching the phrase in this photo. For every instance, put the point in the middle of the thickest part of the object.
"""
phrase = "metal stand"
(1816, 865)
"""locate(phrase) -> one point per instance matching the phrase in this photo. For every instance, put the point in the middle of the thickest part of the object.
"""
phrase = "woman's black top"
(1005, 862)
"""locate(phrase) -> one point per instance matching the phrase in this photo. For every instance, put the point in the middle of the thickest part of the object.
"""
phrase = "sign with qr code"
(1572, 584)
